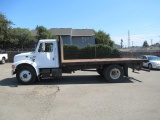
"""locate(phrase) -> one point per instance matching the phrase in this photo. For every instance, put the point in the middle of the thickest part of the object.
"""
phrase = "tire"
(100, 72)
(3, 61)
(150, 66)
(26, 75)
(113, 73)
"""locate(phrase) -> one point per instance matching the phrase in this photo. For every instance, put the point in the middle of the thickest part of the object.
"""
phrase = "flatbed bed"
(102, 61)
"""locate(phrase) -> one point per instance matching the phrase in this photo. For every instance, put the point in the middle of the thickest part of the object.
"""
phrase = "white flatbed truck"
(48, 61)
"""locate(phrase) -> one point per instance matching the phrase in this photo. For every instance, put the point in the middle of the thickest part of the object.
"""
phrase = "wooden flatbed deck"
(102, 60)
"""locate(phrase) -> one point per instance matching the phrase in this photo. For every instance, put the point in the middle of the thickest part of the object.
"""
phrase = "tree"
(4, 29)
(21, 37)
(43, 33)
(102, 38)
(145, 44)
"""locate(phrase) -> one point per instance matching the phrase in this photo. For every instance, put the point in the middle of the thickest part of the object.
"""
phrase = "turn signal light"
(13, 66)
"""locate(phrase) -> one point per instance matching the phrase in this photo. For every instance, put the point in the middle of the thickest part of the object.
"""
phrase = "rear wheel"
(113, 73)
(26, 75)
(150, 66)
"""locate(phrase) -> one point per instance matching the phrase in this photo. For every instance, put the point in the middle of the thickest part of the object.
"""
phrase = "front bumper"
(156, 67)
(13, 72)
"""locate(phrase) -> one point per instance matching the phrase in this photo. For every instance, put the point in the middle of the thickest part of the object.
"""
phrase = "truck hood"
(24, 56)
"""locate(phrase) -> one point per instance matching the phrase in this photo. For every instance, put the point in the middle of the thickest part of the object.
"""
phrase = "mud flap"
(126, 70)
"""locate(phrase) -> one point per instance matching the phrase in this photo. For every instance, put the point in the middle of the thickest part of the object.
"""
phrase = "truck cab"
(45, 56)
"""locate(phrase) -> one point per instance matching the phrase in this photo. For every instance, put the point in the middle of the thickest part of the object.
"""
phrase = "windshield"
(153, 58)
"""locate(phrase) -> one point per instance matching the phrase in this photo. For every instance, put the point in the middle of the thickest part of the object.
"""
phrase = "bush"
(71, 51)
(90, 52)
(103, 51)
(116, 53)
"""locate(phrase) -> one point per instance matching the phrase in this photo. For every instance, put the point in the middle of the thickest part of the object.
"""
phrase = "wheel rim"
(25, 75)
(115, 73)
(3, 61)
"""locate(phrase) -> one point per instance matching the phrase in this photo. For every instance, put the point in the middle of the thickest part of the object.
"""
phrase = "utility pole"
(132, 43)
(151, 41)
(128, 39)
(121, 43)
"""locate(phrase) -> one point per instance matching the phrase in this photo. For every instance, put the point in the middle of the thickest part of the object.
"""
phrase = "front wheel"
(26, 75)
(3, 61)
(113, 73)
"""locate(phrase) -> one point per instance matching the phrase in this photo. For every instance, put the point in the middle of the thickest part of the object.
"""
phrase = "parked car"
(154, 61)
(3, 56)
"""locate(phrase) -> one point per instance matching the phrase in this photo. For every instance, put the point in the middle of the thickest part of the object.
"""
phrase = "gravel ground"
(81, 96)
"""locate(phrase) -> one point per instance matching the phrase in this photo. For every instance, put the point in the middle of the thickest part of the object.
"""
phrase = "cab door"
(46, 55)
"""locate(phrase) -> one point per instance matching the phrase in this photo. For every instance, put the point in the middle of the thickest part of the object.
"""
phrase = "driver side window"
(40, 48)
(45, 47)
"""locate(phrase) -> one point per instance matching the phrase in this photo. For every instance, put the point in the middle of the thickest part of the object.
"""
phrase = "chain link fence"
(87, 54)
(20, 49)
(137, 54)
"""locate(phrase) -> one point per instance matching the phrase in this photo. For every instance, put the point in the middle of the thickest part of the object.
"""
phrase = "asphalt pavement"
(81, 96)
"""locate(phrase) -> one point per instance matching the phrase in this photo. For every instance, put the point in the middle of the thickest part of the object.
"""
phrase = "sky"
(141, 18)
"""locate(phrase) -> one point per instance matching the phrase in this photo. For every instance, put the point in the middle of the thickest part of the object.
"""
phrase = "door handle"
(53, 58)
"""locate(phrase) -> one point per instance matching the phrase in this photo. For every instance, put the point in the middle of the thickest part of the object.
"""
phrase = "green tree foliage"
(103, 51)
(102, 38)
(43, 33)
(4, 29)
(116, 53)
(87, 52)
(90, 52)
(145, 44)
(70, 50)
(21, 37)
